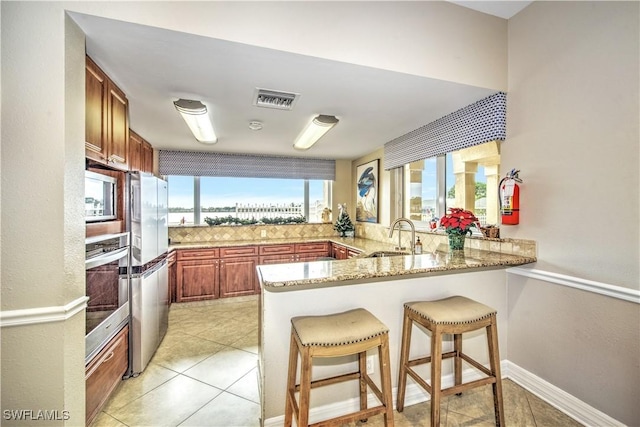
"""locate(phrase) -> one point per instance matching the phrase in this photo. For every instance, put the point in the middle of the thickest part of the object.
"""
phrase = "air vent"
(267, 98)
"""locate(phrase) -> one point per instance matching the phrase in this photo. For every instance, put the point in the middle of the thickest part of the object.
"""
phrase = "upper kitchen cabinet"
(107, 119)
(140, 153)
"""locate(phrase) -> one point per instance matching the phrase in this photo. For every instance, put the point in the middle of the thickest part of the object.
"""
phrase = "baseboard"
(561, 400)
(554, 396)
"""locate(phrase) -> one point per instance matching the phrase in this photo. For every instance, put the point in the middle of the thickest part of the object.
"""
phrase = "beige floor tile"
(180, 352)
(547, 416)
(248, 343)
(106, 420)
(225, 332)
(223, 368)
(517, 411)
(129, 390)
(226, 410)
(247, 386)
(167, 405)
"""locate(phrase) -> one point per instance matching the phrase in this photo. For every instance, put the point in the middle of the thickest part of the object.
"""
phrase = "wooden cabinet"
(140, 153)
(104, 372)
(277, 254)
(339, 251)
(238, 275)
(106, 119)
(197, 274)
(311, 251)
(172, 267)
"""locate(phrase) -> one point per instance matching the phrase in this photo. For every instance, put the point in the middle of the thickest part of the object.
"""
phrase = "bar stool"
(454, 315)
(334, 335)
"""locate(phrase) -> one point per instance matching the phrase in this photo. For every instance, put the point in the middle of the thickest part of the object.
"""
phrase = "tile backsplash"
(430, 241)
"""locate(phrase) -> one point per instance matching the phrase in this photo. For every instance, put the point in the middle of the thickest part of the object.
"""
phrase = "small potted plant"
(343, 224)
(457, 224)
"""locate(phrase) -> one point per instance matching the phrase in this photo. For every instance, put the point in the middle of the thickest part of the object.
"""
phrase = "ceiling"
(155, 66)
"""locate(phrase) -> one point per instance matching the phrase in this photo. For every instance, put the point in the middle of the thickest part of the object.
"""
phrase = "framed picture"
(367, 192)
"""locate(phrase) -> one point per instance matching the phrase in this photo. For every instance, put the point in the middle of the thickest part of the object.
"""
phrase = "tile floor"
(204, 374)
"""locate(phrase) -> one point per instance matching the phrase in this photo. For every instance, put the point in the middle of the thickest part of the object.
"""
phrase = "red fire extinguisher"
(509, 192)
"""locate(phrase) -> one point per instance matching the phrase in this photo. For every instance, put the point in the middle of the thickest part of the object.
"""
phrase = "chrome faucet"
(413, 232)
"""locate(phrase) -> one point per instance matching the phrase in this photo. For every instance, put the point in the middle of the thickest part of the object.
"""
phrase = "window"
(192, 199)
(467, 178)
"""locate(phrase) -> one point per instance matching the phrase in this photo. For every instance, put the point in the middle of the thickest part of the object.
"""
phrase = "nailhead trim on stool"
(454, 316)
(334, 335)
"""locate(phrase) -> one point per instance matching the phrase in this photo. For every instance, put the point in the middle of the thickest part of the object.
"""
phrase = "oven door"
(108, 292)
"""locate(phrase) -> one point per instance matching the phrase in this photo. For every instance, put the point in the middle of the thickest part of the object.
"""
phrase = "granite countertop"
(361, 269)
(284, 277)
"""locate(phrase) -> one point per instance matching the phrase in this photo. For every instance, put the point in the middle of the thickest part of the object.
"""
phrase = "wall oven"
(107, 286)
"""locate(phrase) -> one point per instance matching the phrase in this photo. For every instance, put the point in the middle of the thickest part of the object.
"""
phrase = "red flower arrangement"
(458, 221)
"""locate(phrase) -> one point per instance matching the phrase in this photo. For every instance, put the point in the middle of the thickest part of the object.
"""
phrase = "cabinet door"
(173, 276)
(135, 151)
(104, 372)
(118, 127)
(147, 157)
(238, 276)
(339, 251)
(197, 280)
(96, 83)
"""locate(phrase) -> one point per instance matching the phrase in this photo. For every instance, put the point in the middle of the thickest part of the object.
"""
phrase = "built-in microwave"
(100, 197)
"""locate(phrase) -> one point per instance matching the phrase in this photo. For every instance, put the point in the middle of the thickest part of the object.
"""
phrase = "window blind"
(193, 163)
(480, 122)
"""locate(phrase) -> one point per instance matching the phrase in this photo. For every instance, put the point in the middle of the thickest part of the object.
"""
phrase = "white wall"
(573, 130)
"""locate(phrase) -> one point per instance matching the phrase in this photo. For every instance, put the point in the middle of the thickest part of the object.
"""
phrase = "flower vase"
(456, 242)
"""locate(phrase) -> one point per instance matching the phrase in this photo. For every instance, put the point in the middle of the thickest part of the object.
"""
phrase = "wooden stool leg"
(385, 377)
(457, 346)
(494, 359)
(436, 372)
(362, 367)
(305, 387)
(404, 359)
(291, 381)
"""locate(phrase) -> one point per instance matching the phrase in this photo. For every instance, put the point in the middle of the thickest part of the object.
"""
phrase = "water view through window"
(244, 198)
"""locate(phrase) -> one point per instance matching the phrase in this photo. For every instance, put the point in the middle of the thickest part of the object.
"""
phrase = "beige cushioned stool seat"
(456, 309)
(347, 334)
(338, 329)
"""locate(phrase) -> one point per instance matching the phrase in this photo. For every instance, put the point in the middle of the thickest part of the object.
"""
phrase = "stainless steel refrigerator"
(147, 221)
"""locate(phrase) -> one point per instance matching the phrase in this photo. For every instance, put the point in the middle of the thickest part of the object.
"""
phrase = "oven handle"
(106, 258)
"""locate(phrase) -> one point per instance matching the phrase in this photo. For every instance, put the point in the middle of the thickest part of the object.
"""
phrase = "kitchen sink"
(382, 254)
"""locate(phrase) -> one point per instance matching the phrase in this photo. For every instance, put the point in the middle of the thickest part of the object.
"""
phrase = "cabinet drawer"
(352, 252)
(277, 259)
(312, 247)
(277, 249)
(238, 251)
(104, 372)
(198, 253)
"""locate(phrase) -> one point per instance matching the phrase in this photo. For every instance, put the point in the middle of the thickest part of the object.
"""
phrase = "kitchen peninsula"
(381, 285)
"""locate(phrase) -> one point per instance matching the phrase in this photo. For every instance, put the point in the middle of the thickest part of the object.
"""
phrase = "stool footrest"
(475, 364)
(356, 416)
(427, 359)
(332, 380)
(467, 386)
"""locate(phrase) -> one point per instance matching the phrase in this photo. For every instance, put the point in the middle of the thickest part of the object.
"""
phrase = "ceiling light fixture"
(195, 115)
(314, 131)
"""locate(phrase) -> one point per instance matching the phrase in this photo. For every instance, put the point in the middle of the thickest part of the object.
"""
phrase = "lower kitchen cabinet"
(172, 267)
(238, 275)
(104, 372)
(197, 280)
(339, 251)
(197, 274)
(311, 251)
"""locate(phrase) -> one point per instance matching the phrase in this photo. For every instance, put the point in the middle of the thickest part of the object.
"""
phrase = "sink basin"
(381, 254)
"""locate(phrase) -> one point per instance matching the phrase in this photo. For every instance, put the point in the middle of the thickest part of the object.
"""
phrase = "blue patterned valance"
(480, 122)
(192, 163)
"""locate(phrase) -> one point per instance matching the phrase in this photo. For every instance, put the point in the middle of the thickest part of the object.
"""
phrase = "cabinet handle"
(109, 357)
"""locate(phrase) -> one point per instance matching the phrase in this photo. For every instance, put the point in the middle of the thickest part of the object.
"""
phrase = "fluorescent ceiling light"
(195, 115)
(314, 131)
